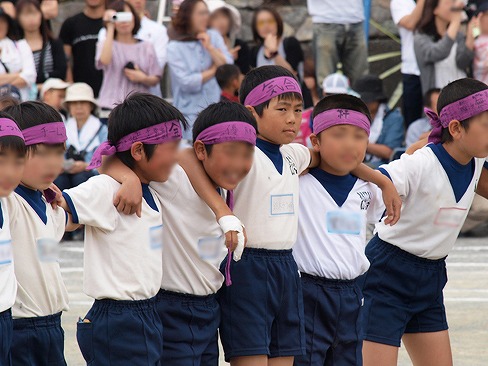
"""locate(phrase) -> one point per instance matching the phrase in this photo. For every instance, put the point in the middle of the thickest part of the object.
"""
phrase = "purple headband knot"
(335, 117)
(228, 131)
(272, 88)
(10, 128)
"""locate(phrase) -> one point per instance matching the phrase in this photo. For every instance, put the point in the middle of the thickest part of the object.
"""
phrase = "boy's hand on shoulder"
(235, 236)
(128, 200)
(59, 196)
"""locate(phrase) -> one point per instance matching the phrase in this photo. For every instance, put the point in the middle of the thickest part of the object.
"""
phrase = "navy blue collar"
(459, 175)
(337, 186)
(1, 216)
(34, 199)
(272, 151)
(148, 197)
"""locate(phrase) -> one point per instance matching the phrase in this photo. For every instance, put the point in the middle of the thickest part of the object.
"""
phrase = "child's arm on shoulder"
(482, 188)
(61, 202)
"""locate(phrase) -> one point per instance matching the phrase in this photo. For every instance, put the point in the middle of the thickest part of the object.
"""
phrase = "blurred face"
(266, 24)
(228, 163)
(54, 98)
(94, 3)
(443, 10)
(221, 22)
(159, 167)
(125, 28)
(139, 5)
(80, 110)
(43, 166)
(342, 148)
(11, 170)
(484, 23)
(30, 18)
(474, 140)
(281, 121)
(199, 17)
(3, 28)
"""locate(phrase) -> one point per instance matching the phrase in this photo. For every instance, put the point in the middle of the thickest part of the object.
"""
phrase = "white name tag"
(210, 248)
(48, 250)
(156, 237)
(5, 252)
(282, 204)
(450, 216)
(344, 222)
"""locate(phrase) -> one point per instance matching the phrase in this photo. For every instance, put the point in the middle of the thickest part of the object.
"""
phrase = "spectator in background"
(443, 53)
(128, 64)
(85, 133)
(406, 14)
(229, 78)
(226, 19)
(480, 64)
(52, 93)
(49, 8)
(149, 31)
(79, 34)
(338, 36)
(194, 54)
(337, 84)
(49, 57)
(16, 61)
(9, 96)
(421, 128)
(387, 130)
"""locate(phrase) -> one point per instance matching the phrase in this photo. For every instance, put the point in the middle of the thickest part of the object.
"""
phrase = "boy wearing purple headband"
(334, 208)
(403, 288)
(262, 312)
(12, 160)
(122, 265)
(38, 337)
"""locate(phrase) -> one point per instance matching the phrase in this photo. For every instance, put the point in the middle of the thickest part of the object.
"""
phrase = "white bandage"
(232, 223)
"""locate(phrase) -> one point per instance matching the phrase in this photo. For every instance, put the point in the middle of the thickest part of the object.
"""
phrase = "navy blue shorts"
(6, 330)
(402, 294)
(38, 341)
(262, 311)
(121, 333)
(190, 329)
(332, 322)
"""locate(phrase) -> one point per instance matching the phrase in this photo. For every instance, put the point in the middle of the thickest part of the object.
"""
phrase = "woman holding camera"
(128, 64)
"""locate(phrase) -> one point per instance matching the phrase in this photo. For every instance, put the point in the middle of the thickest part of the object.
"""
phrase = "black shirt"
(81, 33)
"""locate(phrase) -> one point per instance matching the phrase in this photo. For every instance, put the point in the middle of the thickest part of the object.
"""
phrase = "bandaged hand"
(234, 235)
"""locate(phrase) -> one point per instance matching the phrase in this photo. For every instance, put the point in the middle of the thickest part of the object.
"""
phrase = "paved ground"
(466, 301)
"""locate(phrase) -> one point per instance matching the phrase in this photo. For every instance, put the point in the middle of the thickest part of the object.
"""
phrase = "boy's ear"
(252, 110)
(200, 150)
(137, 151)
(314, 139)
(455, 129)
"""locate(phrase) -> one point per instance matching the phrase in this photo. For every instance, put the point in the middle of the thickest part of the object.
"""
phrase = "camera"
(473, 7)
(122, 16)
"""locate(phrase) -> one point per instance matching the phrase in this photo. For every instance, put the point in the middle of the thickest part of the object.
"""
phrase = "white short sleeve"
(400, 8)
(300, 153)
(28, 72)
(168, 190)
(377, 206)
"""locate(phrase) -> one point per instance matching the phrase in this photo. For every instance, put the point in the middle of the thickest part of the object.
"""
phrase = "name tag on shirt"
(210, 247)
(156, 237)
(48, 250)
(343, 222)
(450, 216)
(282, 204)
(5, 252)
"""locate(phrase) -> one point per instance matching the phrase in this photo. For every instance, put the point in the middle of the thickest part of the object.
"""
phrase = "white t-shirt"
(8, 283)
(35, 243)
(122, 252)
(194, 245)
(336, 12)
(431, 219)
(332, 237)
(399, 9)
(267, 202)
(446, 70)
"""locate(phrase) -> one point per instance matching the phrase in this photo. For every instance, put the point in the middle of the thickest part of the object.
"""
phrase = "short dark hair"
(227, 73)
(428, 96)
(181, 22)
(30, 114)
(221, 112)
(12, 144)
(138, 111)
(279, 23)
(119, 6)
(453, 92)
(258, 76)
(341, 101)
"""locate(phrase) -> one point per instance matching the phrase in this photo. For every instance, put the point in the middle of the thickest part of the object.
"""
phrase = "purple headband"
(334, 117)
(9, 128)
(272, 88)
(228, 131)
(157, 134)
(46, 133)
(460, 110)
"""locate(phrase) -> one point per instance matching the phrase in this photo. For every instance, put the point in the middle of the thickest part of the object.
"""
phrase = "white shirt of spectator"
(41, 290)
(8, 283)
(400, 9)
(266, 201)
(336, 12)
(122, 252)
(194, 243)
(431, 218)
(376, 128)
(331, 239)
(17, 56)
(83, 139)
(447, 71)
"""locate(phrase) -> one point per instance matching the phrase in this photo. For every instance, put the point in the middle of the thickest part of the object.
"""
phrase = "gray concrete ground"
(466, 298)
